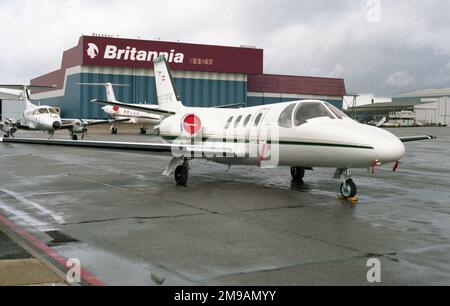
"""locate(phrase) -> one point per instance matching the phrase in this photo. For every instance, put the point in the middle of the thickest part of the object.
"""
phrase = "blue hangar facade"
(205, 75)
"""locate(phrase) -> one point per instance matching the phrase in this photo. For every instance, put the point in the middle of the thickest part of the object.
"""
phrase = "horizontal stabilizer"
(26, 87)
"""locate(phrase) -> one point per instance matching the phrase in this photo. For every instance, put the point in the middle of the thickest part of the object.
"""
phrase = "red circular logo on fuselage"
(192, 124)
(116, 108)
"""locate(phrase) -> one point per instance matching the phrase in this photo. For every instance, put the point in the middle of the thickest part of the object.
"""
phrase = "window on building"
(311, 110)
(285, 119)
(227, 126)
(238, 120)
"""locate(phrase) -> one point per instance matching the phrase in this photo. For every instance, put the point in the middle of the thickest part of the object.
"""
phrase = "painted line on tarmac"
(87, 276)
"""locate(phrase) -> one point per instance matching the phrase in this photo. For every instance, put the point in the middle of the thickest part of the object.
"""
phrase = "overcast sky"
(380, 48)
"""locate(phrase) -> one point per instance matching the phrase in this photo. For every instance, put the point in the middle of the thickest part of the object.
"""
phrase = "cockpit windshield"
(338, 113)
(42, 111)
(311, 110)
(53, 111)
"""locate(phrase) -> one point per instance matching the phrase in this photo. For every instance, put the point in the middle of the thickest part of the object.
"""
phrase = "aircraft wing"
(197, 151)
(71, 123)
(416, 138)
(139, 107)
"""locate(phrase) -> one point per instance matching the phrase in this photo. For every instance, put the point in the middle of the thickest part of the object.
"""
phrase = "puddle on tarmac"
(118, 271)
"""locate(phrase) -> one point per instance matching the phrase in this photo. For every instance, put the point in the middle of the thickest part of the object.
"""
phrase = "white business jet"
(44, 118)
(126, 115)
(301, 135)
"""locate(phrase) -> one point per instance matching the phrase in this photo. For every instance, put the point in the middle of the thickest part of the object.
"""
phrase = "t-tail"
(168, 97)
(26, 91)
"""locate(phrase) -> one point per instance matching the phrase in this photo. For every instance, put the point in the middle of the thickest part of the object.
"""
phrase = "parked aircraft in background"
(44, 118)
(299, 134)
(144, 119)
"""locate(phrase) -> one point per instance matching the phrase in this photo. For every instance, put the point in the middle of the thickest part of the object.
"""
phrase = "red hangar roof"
(296, 85)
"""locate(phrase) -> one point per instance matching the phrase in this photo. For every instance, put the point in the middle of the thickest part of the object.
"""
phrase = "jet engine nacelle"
(9, 127)
(188, 125)
(79, 127)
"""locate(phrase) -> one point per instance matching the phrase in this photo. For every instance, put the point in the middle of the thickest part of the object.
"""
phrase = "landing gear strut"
(298, 173)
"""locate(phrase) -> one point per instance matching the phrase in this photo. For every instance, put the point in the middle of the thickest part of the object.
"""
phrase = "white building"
(11, 106)
(437, 112)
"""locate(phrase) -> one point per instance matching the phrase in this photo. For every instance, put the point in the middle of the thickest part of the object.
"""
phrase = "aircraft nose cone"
(56, 125)
(390, 149)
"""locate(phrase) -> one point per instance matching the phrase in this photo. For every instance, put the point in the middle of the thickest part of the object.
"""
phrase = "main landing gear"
(298, 173)
(182, 175)
(143, 131)
(347, 188)
(179, 167)
(114, 130)
(75, 137)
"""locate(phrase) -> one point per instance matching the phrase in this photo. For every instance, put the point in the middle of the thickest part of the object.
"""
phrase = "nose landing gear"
(348, 189)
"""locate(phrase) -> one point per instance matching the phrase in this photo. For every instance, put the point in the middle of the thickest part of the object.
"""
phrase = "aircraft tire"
(143, 131)
(181, 175)
(297, 173)
(349, 189)
(74, 137)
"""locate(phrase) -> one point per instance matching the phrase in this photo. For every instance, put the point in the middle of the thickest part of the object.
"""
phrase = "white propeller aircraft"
(301, 135)
(44, 118)
(126, 115)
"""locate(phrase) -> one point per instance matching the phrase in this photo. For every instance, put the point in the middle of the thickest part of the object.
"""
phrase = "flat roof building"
(205, 75)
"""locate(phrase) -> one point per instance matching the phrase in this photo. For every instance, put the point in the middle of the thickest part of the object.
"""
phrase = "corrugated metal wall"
(196, 89)
(254, 101)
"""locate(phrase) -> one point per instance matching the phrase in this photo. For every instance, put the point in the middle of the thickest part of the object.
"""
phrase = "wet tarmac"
(129, 225)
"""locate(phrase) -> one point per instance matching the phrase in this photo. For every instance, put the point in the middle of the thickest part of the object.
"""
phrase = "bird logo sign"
(92, 50)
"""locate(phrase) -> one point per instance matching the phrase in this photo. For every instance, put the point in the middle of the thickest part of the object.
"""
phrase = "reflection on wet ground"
(130, 225)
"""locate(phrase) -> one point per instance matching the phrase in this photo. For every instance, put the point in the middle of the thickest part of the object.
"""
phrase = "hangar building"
(205, 76)
(10, 106)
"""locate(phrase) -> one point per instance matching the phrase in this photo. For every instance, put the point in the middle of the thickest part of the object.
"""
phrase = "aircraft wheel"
(114, 131)
(349, 189)
(6, 136)
(74, 137)
(181, 175)
(297, 173)
(143, 131)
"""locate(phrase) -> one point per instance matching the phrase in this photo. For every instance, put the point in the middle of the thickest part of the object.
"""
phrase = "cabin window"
(247, 120)
(310, 110)
(258, 119)
(41, 111)
(238, 120)
(227, 126)
(285, 119)
(337, 112)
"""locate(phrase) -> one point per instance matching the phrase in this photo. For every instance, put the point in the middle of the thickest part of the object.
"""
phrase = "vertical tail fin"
(110, 95)
(168, 97)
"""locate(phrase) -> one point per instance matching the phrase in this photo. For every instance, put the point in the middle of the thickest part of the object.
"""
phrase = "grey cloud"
(407, 50)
